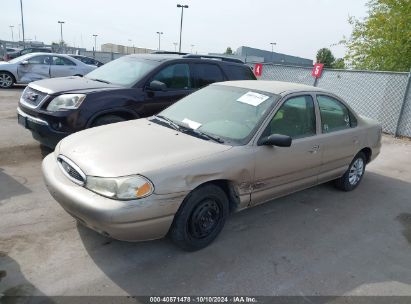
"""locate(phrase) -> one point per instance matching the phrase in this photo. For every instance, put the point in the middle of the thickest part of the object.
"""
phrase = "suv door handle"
(314, 149)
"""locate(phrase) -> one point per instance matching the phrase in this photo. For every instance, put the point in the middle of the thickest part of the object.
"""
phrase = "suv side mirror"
(275, 140)
(24, 62)
(156, 85)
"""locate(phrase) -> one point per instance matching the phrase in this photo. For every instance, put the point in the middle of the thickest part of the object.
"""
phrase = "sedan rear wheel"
(200, 218)
(353, 176)
(6, 80)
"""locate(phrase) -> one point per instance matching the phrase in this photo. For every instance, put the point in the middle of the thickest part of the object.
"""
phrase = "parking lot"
(317, 242)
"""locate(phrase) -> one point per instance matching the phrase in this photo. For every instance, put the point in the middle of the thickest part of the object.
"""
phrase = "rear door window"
(335, 116)
(207, 73)
(236, 72)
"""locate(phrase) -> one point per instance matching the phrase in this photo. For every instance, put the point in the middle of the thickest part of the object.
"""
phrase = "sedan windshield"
(21, 58)
(124, 71)
(229, 114)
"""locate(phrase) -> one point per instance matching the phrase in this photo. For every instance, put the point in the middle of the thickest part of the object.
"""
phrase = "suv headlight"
(66, 102)
(121, 188)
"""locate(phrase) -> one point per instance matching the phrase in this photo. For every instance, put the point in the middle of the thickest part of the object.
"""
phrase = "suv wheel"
(200, 218)
(106, 120)
(6, 80)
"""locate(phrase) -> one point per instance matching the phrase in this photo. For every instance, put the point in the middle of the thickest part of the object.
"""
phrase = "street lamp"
(175, 46)
(95, 42)
(12, 36)
(61, 33)
(22, 20)
(193, 45)
(272, 50)
(183, 6)
(159, 38)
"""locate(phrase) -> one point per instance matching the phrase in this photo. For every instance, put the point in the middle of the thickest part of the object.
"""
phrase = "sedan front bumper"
(144, 219)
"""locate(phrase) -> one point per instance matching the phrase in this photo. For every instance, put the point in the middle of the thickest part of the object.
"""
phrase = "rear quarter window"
(235, 72)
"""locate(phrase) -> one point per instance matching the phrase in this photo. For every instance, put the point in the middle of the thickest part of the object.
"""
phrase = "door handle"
(314, 149)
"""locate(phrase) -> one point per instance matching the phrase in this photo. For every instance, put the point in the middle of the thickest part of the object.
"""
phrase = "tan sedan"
(227, 147)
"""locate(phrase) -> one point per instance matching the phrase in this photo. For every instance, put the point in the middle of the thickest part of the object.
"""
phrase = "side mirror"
(156, 85)
(276, 140)
(24, 62)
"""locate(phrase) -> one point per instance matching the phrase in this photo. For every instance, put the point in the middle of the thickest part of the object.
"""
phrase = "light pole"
(193, 45)
(272, 49)
(12, 35)
(175, 46)
(61, 33)
(95, 42)
(183, 6)
(22, 20)
(159, 39)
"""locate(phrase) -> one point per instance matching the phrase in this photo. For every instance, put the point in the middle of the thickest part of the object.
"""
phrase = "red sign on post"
(317, 70)
(258, 69)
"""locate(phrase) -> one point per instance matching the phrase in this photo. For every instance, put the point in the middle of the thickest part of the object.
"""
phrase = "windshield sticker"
(192, 124)
(253, 98)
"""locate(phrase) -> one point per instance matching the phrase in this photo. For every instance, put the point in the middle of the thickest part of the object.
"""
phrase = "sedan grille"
(31, 97)
(71, 170)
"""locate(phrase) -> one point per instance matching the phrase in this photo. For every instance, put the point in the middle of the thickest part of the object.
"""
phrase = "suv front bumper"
(40, 129)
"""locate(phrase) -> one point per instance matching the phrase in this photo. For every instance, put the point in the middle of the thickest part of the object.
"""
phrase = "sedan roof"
(270, 86)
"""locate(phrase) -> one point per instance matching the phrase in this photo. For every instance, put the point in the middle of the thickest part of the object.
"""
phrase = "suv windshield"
(124, 71)
(228, 113)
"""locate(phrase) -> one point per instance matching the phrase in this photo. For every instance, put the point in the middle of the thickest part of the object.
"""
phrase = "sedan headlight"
(66, 102)
(121, 188)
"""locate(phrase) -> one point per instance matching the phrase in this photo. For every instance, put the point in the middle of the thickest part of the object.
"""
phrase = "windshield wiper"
(168, 121)
(201, 134)
(101, 80)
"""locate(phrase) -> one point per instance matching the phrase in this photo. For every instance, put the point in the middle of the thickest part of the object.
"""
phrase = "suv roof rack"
(222, 58)
(167, 52)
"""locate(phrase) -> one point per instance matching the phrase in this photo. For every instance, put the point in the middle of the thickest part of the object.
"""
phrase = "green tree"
(338, 64)
(228, 51)
(326, 57)
(382, 40)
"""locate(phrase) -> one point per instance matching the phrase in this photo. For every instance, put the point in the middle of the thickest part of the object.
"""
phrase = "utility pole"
(272, 50)
(183, 6)
(159, 40)
(12, 35)
(61, 34)
(22, 21)
(95, 42)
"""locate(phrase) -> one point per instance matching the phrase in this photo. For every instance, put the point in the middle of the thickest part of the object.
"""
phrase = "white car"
(36, 66)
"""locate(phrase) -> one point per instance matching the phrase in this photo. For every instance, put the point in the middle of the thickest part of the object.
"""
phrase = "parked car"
(88, 60)
(227, 147)
(25, 51)
(36, 66)
(130, 87)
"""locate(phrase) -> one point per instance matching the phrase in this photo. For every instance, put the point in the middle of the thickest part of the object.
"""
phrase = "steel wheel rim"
(5, 80)
(356, 171)
(204, 219)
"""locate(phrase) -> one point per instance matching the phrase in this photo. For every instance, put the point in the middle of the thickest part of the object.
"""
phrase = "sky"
(298, 27)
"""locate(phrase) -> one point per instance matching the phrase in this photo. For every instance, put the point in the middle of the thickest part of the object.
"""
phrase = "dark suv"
(25, 51)
(130, 87)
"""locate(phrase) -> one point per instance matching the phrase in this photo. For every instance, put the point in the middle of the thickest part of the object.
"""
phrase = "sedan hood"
(70, 84)
(133, 147)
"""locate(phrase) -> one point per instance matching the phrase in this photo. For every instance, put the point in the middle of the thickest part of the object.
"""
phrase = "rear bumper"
(138, 220)
(40, 129)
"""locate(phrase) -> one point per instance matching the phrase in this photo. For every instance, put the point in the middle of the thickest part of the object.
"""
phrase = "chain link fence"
(384, 96)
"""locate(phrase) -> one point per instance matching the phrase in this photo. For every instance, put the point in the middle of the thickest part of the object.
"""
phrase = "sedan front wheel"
(6, 80)
(200, 218)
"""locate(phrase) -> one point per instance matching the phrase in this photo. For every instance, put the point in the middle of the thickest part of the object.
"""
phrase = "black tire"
(200, 218)
(354, 174)
(6, 80)
(107, 119)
